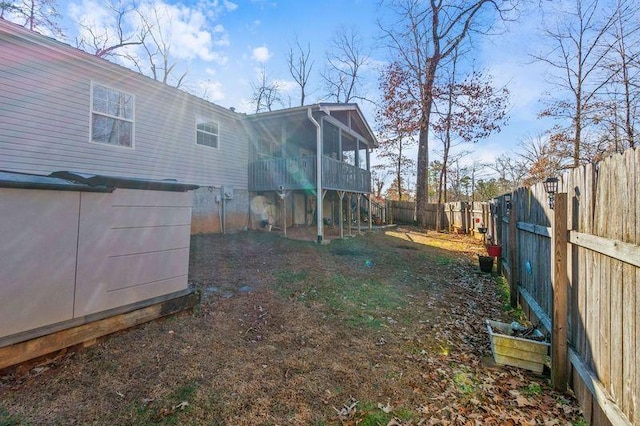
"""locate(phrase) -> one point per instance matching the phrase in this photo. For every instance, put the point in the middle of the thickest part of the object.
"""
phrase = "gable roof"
(349, 114)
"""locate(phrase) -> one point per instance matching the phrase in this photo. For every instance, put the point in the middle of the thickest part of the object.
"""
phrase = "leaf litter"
(319, 338)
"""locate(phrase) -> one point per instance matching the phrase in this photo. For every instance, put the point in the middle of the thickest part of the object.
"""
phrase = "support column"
(350, 215)
(358, 212)
(340, 214)
(324, 192)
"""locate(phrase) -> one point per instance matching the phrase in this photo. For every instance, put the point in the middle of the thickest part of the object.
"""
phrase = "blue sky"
(225, 43)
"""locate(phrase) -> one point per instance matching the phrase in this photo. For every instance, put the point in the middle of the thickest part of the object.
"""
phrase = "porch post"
(350, 214)
(357, 153)
(358, 212)
(341, 214)
(318, 175)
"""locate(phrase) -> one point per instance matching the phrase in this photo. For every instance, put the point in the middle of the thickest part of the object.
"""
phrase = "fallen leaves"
(348, 410)
(166, 412)
(295, 353)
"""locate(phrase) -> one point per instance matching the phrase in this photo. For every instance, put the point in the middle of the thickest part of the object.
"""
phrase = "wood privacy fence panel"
(431, 215)
(403, 211)
(459, 215)
(605, 295)
(603, 271)
(533, 242)
(462, 215)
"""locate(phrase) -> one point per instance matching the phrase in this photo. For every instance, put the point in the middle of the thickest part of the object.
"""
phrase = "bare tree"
(624, 66)
(300, 65)
(36, 15)
(545, 155)
(346, 57)
(423, 34)
(266, 93)
(512, 171)
(578, 54)
(104, 42)
(379, 178)
(157, 61)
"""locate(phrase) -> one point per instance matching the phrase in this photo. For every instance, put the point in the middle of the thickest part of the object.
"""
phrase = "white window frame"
(201, 119)
(104, 114)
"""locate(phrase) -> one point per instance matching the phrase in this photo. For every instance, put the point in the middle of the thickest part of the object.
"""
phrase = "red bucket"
(494, 251)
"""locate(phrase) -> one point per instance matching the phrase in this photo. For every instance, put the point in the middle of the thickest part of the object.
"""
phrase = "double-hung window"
(111, 116)
(207, 132)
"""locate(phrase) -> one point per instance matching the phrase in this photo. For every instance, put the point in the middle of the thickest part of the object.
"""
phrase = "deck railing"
(300, 173)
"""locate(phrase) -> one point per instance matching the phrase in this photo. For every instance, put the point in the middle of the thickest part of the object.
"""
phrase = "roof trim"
(326, 108)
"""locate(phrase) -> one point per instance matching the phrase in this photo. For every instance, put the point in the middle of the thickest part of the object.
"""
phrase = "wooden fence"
(576, 270)
(457, 216)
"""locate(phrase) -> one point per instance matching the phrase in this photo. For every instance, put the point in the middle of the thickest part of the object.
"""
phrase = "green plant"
(532, 389)
(184, 393)
(373, 416)
(580, 422)
(465, 382)
(505, 298)
(7, 419)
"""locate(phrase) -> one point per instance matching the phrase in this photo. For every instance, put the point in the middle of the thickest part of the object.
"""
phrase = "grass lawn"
(386, 328)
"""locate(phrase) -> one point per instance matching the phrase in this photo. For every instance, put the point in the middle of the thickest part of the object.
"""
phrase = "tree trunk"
(422, 178)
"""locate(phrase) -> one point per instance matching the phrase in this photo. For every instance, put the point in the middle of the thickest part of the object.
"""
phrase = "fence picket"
(604, 278)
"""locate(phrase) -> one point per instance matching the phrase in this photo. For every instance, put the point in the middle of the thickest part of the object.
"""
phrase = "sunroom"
(288, 179)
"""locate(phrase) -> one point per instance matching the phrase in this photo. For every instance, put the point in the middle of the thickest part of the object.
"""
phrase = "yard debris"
(429, 363)
(348, 410)
(166, 412)
(385, 408)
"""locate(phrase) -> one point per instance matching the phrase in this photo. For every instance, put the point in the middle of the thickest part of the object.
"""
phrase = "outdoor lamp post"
(507, 202)
(551, 187)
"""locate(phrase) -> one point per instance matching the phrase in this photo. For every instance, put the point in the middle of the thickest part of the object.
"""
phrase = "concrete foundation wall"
(211, 211)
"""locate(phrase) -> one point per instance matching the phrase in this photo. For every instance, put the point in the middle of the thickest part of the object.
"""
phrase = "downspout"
(318, 175)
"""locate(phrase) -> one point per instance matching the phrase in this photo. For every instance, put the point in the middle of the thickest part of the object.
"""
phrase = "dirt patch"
(387, 325)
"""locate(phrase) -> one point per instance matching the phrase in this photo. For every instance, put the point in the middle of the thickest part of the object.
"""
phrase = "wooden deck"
(299, 173)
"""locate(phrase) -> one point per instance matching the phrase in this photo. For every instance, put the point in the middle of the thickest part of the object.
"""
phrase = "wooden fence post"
(559, 350)
(513, 258)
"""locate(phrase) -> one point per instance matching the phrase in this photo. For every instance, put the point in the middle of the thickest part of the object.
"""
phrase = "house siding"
(45, 113)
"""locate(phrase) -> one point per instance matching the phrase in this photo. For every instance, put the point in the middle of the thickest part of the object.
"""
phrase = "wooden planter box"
(516, 351)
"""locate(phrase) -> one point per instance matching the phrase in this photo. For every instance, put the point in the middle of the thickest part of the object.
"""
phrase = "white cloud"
(100, 20)
(188, 31)
(229, 5)
(216, 8)
(184, 29)
(212, 90)
(261, 54)
(287, 86)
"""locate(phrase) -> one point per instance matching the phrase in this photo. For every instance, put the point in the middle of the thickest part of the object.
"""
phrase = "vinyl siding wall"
(45, 113)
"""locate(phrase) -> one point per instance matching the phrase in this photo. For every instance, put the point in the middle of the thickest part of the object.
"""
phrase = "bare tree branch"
(300, 66)
(345, 58)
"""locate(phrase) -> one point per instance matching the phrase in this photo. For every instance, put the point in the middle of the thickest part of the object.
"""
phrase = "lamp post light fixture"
(507, 202)
(551, 187)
